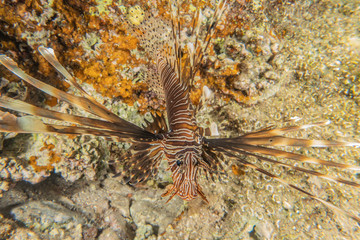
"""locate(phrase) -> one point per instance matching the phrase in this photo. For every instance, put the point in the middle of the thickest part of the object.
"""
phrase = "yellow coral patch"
(136, 15)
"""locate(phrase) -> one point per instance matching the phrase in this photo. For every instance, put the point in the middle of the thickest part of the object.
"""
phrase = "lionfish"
(173, 136)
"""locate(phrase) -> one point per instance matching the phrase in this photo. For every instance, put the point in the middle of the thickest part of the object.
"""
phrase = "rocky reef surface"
(273, 62)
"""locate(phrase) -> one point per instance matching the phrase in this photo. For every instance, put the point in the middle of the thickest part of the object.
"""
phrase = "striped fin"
(211, 162)
(178, 106)
(11, 123)
(158, 125)
(24, 107)
(198, 50)
(176, 29)
(153, 80)
(254, 142)
(186, 71)
(141, 161)
(278, 141)
(75, 130)
(80, 102)
(311, 172)
(155, 36)
(270, 132)
(31, 124)
(250, 145)
(49, 55)
(326, 203)
(171, 189)
(213, 166)
(278, 153)
(176, 91)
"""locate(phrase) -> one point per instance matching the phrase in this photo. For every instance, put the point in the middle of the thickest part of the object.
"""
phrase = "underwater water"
(271, 63)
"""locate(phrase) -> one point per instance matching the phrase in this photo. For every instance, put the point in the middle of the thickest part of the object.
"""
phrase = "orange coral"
(53, 158)
(68, 30)
(195, 96)
(237, 170)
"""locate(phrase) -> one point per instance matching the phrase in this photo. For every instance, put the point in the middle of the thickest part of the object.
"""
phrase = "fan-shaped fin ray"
(179, 111)
(31, 124)
(328, 204)
(200, 48)
(141, 161)
(270, 131)
(280, 141)
(80, 102)
(24, 107)
(311, 172)
(49, 55)
(11, 123)
(279, 153)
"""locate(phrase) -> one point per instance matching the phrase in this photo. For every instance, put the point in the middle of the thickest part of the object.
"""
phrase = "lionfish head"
(184, 170)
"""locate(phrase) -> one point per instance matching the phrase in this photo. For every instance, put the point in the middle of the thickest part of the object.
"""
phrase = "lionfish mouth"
(186, 190)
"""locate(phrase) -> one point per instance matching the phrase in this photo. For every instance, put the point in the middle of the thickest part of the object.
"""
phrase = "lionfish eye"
(179, 162)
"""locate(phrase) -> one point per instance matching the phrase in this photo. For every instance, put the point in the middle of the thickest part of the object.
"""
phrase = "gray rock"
(118, 224)
(108, 234)
(122, 204)
(150, 208)
(12, 197)
(6, 227)
(118, 195)
(90, 233)
(264, 230)
(92, 200)
(144, 232)
(24, 234)
(45, 216)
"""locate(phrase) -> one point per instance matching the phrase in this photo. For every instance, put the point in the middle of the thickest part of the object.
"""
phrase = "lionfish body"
(179, 139)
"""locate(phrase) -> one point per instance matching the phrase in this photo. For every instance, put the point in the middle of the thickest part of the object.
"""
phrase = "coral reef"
(90, 39)
(271, 62)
